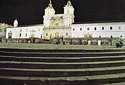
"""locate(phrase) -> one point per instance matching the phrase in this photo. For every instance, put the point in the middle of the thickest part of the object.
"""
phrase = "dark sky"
(31, 11)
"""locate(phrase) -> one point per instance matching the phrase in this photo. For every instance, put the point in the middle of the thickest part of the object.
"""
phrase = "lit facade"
(99, 30)
(24, 32)
(62, 26)
(58, 25)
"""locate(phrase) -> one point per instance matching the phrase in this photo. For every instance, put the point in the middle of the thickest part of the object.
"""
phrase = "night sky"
(30, 12)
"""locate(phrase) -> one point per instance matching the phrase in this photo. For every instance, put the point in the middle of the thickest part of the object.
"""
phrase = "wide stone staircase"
(62, 67)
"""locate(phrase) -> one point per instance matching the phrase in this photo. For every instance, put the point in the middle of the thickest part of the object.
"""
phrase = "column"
(89, 42)
(99, 42)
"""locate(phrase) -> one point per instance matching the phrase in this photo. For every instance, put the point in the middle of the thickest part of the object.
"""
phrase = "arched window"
(20, 35)
(110, 28)
(103, 28)
(95, 28)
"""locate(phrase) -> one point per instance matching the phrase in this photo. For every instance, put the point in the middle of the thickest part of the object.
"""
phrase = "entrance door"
(10, 35)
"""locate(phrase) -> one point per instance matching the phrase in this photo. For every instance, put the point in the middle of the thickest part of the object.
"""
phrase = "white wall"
(25, 32)
(76, 31)
(118, 29)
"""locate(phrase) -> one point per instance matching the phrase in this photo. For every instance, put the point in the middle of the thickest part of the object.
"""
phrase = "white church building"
(62, 26)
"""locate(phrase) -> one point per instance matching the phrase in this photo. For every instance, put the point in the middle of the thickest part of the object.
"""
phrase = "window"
(66, 34)
(121, 36)
(110, 28)
(102, 28)
(20, 34)
(80, 29)
(46, 34)
(73, 29)
(88, 28)
(95, 28)
(119, 28)
(10, 35)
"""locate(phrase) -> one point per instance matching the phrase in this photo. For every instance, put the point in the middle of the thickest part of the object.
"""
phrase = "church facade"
(62, 26)
(58, 25)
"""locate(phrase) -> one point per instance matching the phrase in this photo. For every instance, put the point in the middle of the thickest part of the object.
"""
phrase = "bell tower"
(69, 13)
(49, 12)
(15, 23)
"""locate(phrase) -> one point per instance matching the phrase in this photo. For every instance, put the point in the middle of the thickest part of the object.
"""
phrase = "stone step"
(70, 54)
(60, 82)
(38, 65)
(61, 72)
(63, 50)
(61, 59)
(68, 68)
(77, 78)
(120, 83)
(62, 63)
